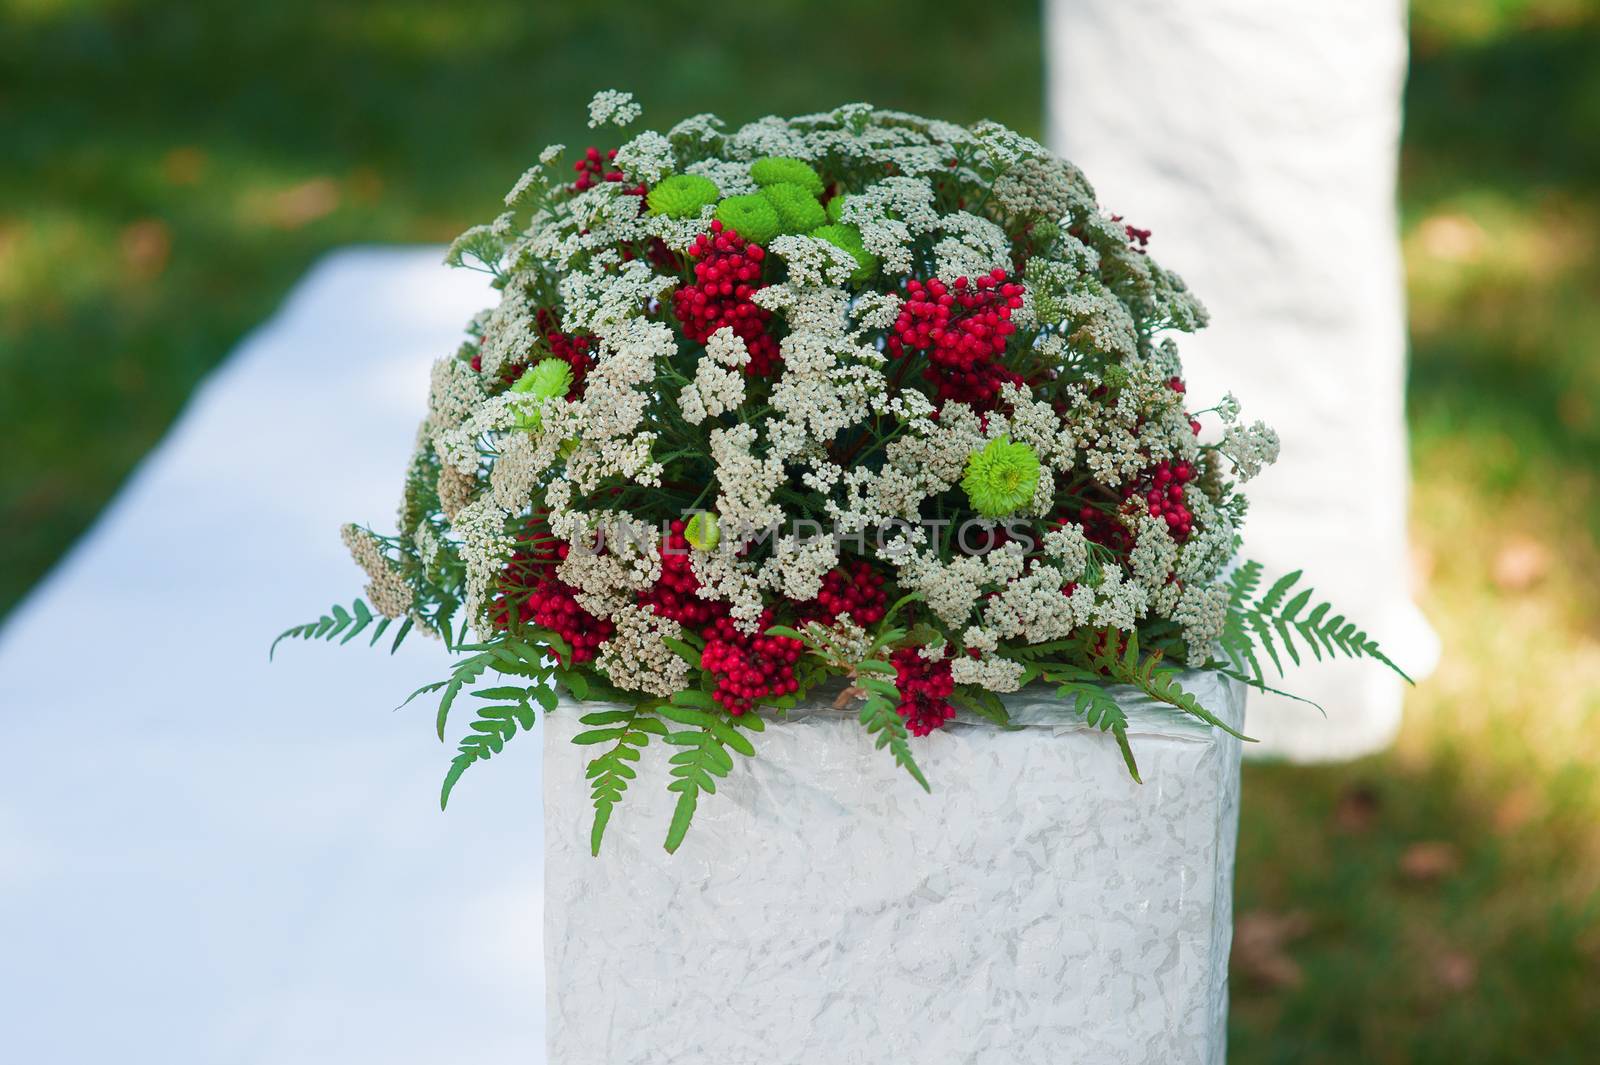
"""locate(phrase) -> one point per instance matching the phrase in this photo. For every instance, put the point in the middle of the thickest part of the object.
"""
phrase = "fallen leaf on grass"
(1260, 942)
(1456, 971)
(1357, 810)
(1520, 564)
(146, 247)
(1429, 861)
(303, 203)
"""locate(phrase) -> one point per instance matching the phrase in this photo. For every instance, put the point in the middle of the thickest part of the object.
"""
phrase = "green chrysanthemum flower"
(751, 216)
(548, 379)
(849, 239)
(702, 531)
(682, 195)
(1001, 478)
(780, 169)
(836, 208)
(798, 210)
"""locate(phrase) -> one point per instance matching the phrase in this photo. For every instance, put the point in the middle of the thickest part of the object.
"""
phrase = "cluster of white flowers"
(646, 158)
(1252, 448)
(971, 246)
(387, 589)
(612, 106)
(484, 545)
(635, 658)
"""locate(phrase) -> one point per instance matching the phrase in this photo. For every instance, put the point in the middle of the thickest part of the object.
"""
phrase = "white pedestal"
(1038, 907)
(1259, 142)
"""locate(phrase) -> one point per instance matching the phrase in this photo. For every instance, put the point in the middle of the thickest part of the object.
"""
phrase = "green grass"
(169, 170)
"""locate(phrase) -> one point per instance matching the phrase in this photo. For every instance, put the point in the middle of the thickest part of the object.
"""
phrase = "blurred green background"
(169, 170)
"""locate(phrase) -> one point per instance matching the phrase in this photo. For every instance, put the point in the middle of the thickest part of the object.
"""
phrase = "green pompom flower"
(1001, 478)
(702, 531)
(836, 208)
(780, 169)
(682, 195)
(798, 210)
(751, 216)
(549, 379)
(849, 239)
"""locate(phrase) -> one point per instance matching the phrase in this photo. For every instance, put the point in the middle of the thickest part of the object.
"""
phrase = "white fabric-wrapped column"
(1259, 142)
(1038, 907)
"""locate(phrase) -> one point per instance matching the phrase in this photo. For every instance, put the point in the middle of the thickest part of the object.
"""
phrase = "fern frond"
(494, 727)
(1228, 671)
(465, 674)
(703, 760)
(1267, 621)
(1243, 583)
(335, 623)
(880, 714)
(629, 732)
(1146, 673)
(1101, 711)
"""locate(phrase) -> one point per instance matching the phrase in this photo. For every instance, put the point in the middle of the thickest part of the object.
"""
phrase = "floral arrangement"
(856, 406)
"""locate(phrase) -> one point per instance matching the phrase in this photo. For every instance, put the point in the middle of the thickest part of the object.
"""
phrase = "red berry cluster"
(595, 167)
(963, 329)
(553, 605)
(1105, 529)
(675, 594)
(749, 668)
(1161, 489)
(534, 561)
(727, 272)
(541, 598)
(854, 590)
(925, 689)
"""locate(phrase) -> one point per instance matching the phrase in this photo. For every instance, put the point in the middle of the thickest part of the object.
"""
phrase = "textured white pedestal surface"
(1259, 141)
(1038, 907)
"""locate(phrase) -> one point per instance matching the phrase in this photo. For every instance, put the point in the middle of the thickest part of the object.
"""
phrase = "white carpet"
(206, 859)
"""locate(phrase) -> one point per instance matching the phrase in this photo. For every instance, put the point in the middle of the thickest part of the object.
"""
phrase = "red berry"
(925, 690)
(727, 273)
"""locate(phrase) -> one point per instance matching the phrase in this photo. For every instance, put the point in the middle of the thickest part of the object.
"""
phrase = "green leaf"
(494, 727)
(600, 735)
(405, 627)
(696, 768)
(1121, 734)
(501, 693)
(882, 719)
(608, 717)
(695, 698)
(610, 771)
(466, 672)
(879, 686)
(337, 621)
(574, 682)
(895, 609)
(1260, 622)
(683, 651)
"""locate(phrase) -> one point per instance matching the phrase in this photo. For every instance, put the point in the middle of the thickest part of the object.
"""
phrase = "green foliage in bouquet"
(854, 406)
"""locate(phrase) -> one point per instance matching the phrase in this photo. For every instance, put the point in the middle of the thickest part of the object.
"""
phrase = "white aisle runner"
(207, 860)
